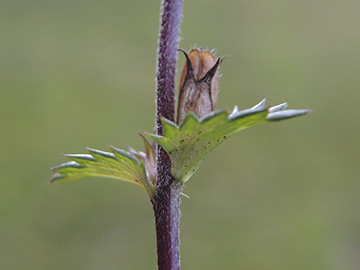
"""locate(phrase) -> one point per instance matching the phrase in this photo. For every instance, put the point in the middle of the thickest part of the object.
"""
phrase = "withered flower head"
(199, 84)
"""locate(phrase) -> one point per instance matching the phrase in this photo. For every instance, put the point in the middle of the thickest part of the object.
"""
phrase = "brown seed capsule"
(199, 84)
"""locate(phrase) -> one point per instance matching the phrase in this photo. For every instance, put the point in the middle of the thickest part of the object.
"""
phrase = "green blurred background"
(76, 74)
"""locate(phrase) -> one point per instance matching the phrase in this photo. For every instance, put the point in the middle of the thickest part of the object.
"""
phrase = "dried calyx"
(199, 84)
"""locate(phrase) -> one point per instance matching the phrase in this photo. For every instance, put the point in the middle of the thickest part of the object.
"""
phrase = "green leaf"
(119, 165)
(192, 141)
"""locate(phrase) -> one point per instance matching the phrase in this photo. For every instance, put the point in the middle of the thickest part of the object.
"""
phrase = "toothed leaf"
(191, 142)
(119, 165)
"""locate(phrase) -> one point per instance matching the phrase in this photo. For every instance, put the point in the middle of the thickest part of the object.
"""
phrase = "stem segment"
(167, 199)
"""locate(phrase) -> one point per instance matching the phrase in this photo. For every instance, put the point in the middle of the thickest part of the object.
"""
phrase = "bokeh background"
(76, 74)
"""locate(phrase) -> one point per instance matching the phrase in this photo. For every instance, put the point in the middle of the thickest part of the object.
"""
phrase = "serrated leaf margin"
(191, 142)
(117, 164)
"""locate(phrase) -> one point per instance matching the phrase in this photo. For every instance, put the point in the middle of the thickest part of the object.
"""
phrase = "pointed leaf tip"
(286, 114)
(280, 107)
(55, 177)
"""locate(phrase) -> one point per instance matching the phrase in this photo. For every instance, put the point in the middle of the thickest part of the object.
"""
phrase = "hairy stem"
(167, 199)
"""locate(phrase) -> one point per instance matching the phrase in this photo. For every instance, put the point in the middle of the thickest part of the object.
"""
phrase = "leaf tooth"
(82, 156)
(82, 159)
(235, 110)
(286, 114)
(261, 104)
(122, 153)
(246, 112)
(97, 153)
(191, 118)
(155, 137)
(70, 164)
(169, 127)
(280, 107)
(164, 142)
(55, 177)
(166, 121)
(212, 115)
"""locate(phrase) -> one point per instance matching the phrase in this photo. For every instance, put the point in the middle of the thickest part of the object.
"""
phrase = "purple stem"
(167, 198)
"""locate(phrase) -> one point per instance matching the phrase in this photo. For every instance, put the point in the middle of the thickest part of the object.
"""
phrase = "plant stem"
(167, 198)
